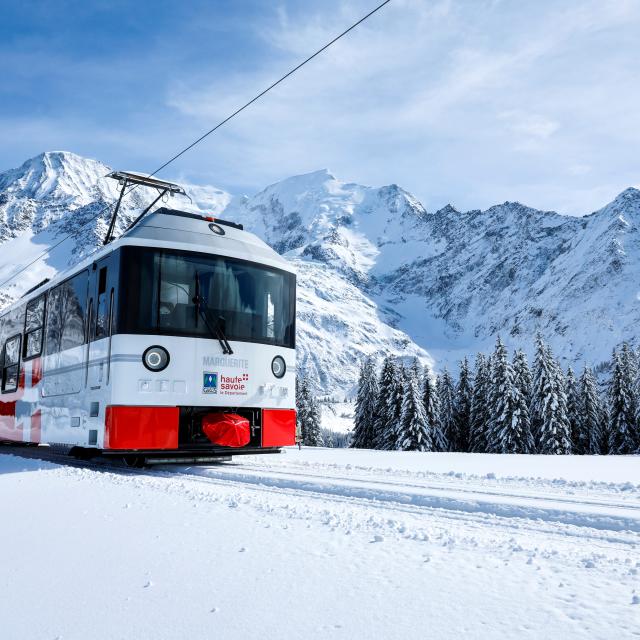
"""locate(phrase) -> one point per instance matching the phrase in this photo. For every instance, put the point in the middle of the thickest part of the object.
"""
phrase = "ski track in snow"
(569, 549)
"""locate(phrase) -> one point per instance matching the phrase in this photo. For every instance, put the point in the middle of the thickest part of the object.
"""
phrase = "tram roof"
(175, 229)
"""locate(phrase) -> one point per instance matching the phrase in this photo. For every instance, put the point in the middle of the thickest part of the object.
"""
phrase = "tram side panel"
(64, 389)
(20, 411)
(16, 386)
(46, 392)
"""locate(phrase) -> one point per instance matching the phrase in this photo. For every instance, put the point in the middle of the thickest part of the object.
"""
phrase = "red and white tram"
(175, 341)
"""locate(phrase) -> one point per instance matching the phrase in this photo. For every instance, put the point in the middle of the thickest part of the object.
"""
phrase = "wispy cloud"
(470, 102)
(444, 98)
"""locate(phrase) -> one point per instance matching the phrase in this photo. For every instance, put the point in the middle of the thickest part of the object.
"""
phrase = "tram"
(174, 342)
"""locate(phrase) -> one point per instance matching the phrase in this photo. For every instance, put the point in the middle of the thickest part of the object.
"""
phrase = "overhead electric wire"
(271, 86)
(205, 135)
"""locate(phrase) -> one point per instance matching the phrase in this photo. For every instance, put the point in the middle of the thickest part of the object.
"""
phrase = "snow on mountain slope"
(351, 228)
(453, 280)
(515, 271)
(337, 324)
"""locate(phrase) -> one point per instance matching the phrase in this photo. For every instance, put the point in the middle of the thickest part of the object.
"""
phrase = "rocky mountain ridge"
(453, 280)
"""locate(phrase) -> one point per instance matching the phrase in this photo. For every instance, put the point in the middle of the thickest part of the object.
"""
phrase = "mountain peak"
(322, 174)
(629, 195)
(59, 161)
(626, 203)
(447, 210)
(630, 192)
(62, 175)
(59, 156)
(313, 179)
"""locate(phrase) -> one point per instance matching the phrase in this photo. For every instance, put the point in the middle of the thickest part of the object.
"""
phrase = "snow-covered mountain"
(377, 272)
(453, 280)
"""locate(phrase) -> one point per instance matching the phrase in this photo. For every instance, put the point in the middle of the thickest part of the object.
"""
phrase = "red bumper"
(278, 427)
(141, 428)
(157, 427)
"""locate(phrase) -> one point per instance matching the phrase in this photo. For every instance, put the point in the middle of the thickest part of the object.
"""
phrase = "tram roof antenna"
(126, 178)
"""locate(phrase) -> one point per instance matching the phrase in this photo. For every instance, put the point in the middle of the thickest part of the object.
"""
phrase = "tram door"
(101, 310)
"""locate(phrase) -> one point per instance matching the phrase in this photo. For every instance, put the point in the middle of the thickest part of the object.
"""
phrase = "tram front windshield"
(182, 293)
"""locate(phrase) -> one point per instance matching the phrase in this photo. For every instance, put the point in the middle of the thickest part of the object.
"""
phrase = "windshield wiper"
(221, 323)
(218, 330)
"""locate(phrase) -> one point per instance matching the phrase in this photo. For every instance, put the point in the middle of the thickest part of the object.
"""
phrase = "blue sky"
(467, 102)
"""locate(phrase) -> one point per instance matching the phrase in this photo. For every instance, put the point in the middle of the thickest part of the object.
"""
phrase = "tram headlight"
(155, 358)
(278, 367)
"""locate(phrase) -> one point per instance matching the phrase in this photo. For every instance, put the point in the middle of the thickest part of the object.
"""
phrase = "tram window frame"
(83, 279)
(14, 364)
(100, 324)
(140, 289)
(33, 329)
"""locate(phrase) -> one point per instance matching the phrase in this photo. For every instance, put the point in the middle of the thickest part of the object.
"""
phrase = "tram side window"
(11, 364)
(33, 328)
(66, 313)
(102, 311)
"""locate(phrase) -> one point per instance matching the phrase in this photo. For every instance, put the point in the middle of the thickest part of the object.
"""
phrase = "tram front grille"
(191, 434)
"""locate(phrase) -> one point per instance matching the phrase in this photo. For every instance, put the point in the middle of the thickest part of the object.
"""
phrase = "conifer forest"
(497, 404)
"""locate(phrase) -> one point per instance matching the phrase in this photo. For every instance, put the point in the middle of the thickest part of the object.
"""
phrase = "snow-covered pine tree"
(327, 439)
(509, 429)
(310, 420)
(414, 433)
(366, 405)
(541, 381)
(446, 402)
(308, 413)
(622, 404)
(632, 356)
(602, 386)
(522, 375)
(301, 408)
(394, 406)
(314, 429)
(552, 431)
(574, 410)
(431, 405)
(636, 395)
(462, 408)
(479, 406)
(558, 438)
(590, 436)
(498, 391)
(388, 406)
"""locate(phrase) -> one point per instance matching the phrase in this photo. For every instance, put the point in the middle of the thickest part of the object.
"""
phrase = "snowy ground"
(323, 544)
(337, 416)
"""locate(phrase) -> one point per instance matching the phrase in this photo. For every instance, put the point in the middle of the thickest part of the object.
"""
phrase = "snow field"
(614, 470)
(323, 544)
